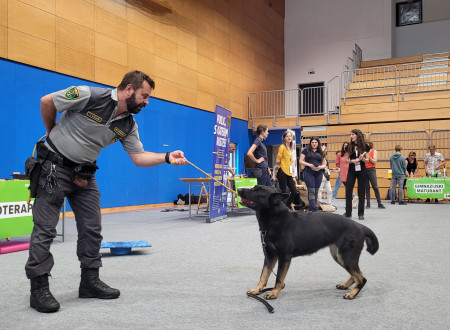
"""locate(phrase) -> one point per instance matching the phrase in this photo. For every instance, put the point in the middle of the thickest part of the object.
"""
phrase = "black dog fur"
(289, 234)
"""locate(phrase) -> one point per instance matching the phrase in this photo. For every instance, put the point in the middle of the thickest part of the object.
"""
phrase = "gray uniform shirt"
(88, 124)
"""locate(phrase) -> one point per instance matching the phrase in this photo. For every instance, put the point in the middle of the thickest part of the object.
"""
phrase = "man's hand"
(177, 158)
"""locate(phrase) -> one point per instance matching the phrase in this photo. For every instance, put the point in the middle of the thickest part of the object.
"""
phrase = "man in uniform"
(92, 119)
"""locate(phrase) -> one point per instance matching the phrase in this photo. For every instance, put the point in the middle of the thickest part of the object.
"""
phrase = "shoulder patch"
(73, 93)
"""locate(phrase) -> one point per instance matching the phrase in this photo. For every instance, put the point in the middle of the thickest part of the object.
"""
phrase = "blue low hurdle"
(123, 248)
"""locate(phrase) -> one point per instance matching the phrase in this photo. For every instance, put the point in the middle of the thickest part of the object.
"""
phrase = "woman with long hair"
(314, 163)
(258, 154)
(372, 176)
(342, 165)
(285, 161)
(357, 157)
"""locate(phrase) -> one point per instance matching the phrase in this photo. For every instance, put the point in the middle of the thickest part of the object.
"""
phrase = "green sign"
(428, 187)
(244, 183)
(15, 214)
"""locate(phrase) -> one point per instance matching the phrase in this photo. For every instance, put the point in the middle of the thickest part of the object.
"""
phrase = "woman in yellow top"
(285, 164)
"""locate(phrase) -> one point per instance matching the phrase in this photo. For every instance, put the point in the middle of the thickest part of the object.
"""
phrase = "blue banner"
(218, 193)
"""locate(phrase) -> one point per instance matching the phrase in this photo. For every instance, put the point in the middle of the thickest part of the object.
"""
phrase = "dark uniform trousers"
(85, 203)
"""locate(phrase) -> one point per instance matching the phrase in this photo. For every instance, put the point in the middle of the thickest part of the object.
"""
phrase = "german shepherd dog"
(286, 234)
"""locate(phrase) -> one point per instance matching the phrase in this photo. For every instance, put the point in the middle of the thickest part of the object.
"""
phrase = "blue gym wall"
(163, 126)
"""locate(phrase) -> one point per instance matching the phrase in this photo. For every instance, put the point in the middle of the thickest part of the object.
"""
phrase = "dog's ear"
(275, 198)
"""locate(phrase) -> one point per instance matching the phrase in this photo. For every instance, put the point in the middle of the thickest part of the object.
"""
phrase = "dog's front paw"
(341, 286)
(272, 295)
(350, 295)
(254, 291)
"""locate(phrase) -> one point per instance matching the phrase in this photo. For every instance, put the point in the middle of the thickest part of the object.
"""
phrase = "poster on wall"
(218, 193)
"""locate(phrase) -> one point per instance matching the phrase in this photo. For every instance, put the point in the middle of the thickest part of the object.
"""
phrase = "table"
(426, 187)
(195, 180)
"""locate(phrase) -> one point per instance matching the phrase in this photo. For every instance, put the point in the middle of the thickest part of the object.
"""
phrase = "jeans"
(313, 179)
(372, 178)
(400, 179)
(336, 187)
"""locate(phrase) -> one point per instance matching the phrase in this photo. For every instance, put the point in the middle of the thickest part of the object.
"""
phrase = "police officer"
(93, 118)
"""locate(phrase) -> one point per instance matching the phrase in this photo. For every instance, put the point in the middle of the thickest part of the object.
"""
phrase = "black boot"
(92, 287)
(41, 299)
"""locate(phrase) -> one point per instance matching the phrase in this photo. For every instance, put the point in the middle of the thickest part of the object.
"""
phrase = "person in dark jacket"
(398, 167)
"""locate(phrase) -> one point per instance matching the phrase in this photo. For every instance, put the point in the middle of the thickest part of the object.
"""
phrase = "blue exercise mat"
(122, 248)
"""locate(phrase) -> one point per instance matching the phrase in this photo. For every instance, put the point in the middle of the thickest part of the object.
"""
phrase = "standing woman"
(314, 163)
(372, 176)
(258, 153)
(343, 167)
(357, 157)
(285, 161)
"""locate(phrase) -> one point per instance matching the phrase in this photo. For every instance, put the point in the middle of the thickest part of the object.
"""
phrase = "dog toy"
(228, 188)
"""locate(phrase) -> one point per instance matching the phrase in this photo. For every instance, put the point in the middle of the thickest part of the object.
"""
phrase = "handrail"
(392, 80)
(424, 76)
(371, 79)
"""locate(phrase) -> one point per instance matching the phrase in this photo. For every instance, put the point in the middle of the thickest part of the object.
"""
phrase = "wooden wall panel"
(187, 77)
(187, 40)
(3, 41)
(111, 25)
(110, 49)
(186, 57)
(22, 48)
(77, 11)
(45, 5)
(139, 59)
(3, 12)
(165, 68)
(213, 51)
(72, 35)
(142, 38)
(31, 20)
(115, 7)
(109, 73)
(75, 63)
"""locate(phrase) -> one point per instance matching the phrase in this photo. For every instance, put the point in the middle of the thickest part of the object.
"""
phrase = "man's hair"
(412, 153)
(432, 147)
(136, 79)
(398, 147)
(232, 144)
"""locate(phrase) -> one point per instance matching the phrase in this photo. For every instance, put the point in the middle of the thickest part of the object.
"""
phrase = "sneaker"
(360, 217)
(381, 206)
(402, 203)
(392, 202)
(368, 206)
(347, 216)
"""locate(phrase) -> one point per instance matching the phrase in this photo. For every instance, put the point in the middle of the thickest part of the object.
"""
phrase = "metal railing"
(375, 81)
(428, 75)
(333, 99)
(441, 139)
(385, 143)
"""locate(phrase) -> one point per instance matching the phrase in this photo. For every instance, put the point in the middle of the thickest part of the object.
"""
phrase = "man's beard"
(132, 106)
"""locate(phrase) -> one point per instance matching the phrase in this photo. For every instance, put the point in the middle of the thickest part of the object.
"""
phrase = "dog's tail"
(371, 240)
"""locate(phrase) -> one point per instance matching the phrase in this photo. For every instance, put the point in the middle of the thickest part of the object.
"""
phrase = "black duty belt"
(57, 158)
(60, 160)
